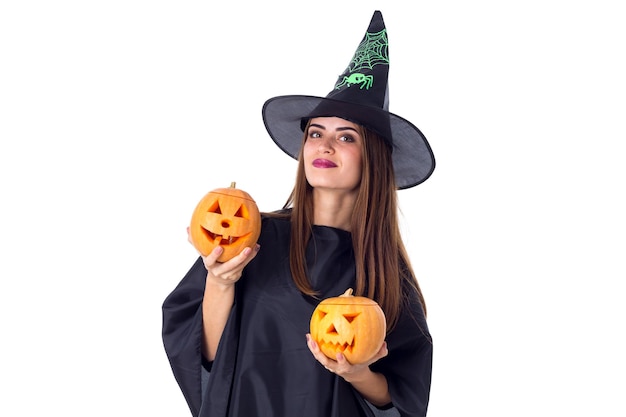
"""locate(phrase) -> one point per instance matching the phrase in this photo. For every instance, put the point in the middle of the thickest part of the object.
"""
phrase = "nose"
(325, 146)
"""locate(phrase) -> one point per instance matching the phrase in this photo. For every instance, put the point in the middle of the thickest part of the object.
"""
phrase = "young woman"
(236, 333)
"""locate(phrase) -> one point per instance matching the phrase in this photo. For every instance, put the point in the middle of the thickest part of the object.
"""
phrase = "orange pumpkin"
(226, 217)
(353, 325)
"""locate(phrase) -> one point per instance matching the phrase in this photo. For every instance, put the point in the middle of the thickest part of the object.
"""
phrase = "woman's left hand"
(341, 366)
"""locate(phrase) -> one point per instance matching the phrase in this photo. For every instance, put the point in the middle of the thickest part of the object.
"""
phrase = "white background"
(116, 117)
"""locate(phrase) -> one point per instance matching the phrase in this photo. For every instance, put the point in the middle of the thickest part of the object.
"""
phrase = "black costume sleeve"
(182, 333)
(408, 366)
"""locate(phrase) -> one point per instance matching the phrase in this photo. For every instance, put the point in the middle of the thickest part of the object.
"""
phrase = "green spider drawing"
(357, 78)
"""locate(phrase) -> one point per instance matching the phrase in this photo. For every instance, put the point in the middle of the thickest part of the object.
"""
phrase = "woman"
(244, 322)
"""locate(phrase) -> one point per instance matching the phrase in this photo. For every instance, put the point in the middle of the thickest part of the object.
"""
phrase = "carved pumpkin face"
(354, 326)
(227, 217)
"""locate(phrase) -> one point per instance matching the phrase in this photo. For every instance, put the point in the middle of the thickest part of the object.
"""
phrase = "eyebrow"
(340, 129)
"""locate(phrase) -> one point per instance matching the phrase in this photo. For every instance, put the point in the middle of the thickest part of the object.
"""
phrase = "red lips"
(323, 163)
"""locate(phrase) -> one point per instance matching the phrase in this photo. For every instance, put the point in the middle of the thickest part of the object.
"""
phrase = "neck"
(333, 209)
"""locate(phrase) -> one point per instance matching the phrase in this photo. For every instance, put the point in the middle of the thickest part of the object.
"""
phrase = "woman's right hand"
(226, 273)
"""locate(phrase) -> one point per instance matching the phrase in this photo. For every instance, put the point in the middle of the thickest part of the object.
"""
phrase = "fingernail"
(257, 247)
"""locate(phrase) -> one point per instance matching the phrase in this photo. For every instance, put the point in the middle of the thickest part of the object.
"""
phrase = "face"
(333, 154)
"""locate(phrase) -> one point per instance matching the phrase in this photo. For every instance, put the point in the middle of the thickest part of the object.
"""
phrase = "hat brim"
(413, 159)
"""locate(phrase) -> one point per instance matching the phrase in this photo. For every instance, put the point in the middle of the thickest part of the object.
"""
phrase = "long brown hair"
(382, 262)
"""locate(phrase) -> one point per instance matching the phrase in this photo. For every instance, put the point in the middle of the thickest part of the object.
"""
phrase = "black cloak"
(263, 366)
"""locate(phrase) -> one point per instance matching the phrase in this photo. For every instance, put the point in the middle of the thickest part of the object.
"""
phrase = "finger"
(311, 344)
(382, 352)
(216, 253)
(341, 359)
(248, 254)
(211, 258)
(241, 259)
(235, 265)
(244, 254)
(315, 350)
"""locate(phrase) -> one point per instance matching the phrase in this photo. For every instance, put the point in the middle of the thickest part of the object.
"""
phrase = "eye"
(346, 138)
(314, 134)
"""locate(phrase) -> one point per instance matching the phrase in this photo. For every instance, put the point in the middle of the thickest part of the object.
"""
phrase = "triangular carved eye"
(215, 208)
(350, 317)
(242, 212)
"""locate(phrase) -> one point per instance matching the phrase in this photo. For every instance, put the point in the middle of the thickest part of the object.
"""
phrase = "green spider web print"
(372, 51)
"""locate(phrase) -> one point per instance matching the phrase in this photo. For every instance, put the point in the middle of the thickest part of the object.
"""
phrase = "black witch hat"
(361, 95)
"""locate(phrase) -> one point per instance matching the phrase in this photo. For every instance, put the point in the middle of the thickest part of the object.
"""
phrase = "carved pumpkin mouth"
(337, 347)
(221, 239)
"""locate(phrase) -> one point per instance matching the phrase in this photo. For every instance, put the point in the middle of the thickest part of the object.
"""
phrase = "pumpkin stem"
(348, 293)
(232, 184)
